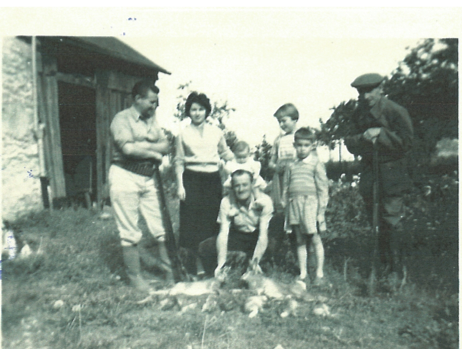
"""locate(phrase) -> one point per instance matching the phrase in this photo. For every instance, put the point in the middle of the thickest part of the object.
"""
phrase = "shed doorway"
(77, 120)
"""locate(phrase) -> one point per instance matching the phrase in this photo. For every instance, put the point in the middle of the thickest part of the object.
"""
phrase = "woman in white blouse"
(199, 148)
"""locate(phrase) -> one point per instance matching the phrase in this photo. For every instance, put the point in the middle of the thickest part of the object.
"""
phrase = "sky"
(254, 58)
(257, 75)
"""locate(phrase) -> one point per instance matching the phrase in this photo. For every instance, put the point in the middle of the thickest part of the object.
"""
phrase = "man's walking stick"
(179, 270)
(375, 217)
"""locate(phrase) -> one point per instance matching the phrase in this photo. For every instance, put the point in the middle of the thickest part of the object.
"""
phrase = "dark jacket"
(394, 142)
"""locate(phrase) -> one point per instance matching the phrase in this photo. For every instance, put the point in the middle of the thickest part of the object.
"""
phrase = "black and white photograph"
(230, 177)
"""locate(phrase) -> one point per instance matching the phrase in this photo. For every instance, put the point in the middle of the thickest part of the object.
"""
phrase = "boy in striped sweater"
(305, 196)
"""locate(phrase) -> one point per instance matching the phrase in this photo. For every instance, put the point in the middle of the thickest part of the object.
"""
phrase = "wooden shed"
(81, 83)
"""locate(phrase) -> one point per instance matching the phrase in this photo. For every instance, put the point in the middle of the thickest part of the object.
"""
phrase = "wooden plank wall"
(113, 91)
(42, 114)
(115, 105)
(50, 111)
(112, 95)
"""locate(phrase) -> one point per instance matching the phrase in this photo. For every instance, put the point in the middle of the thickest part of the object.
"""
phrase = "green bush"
(344, 169)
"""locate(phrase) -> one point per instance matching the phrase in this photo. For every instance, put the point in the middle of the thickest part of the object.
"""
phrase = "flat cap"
(367, 81)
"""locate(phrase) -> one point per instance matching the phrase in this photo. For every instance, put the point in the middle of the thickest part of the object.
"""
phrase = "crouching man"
(139, 145)
(243, 222)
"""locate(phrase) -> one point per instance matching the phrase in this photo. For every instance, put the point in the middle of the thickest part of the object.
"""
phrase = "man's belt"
(203, 163)
(143, 168)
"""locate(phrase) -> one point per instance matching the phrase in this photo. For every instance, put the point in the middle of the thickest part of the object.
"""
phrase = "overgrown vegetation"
(426, 84)
(220, 113)
(74, 294)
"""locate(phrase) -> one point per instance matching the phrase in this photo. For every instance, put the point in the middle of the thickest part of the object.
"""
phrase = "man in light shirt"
(139, 144)
(243, 222)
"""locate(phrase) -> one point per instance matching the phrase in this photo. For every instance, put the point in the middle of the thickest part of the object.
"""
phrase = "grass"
(81, 265)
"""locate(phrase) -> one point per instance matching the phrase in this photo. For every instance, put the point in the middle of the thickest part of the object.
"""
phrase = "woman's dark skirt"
(199, 212)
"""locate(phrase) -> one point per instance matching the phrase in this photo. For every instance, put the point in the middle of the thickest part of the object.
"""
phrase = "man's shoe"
(139, 283)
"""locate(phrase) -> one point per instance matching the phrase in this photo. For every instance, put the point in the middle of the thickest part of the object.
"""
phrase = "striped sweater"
(307, 177)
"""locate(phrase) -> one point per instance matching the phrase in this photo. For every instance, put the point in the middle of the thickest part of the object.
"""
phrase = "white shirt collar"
(308, 158)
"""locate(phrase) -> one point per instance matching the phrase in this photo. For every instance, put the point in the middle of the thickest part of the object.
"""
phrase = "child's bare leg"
(301, 251)
(312, 261)
(316, 242)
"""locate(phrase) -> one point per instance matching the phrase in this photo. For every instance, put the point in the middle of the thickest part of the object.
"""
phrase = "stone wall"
(20, 166)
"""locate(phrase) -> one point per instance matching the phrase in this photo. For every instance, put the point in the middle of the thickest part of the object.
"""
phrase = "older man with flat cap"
(387, 125)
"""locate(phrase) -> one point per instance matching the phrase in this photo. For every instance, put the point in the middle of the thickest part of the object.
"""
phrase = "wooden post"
(102, 111)
(41, 112)
(339, 151)
(53, 132)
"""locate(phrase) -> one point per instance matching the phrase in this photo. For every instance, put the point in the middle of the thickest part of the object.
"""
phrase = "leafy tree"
(221, 111)
(185, 90)
(426, 83)
(339, 124)
(263, 154)
(231, 138)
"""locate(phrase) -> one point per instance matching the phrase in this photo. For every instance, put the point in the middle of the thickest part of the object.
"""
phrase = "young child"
(243, 161)
(283, 152)
(305, 193)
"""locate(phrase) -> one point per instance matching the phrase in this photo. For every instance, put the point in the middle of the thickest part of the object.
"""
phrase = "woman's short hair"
(142, 87)
(305, 133)
(198, 98)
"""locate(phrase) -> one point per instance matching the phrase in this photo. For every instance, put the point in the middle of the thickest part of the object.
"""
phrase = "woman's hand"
(181, 193)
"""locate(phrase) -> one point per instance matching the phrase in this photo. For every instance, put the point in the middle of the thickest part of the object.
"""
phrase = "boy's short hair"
(287, 109)
(142, 87)
(199, 98)
(240, 146)
(305, 133)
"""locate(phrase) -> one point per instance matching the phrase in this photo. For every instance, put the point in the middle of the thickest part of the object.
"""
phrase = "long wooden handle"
(375, 218)
(177, 265)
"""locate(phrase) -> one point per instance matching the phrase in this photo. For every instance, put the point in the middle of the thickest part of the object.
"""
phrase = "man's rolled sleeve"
(121, 131)
(266, 214)
(223, 214)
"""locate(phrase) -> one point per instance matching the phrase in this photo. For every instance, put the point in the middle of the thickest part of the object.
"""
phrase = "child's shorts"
(302, 211)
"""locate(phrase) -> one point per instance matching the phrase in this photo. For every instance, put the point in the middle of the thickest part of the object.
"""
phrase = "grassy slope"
(81, 265)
